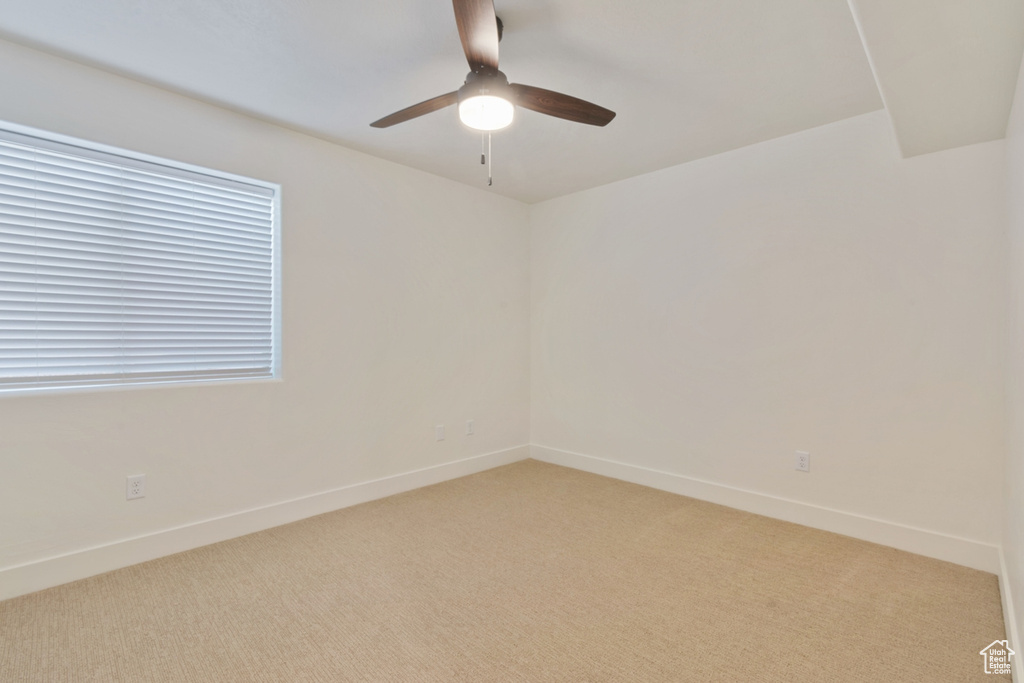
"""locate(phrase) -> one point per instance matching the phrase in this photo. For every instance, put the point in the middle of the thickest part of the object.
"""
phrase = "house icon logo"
(997, 657)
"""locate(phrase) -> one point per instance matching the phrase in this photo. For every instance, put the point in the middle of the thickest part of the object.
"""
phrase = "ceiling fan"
(487, 100)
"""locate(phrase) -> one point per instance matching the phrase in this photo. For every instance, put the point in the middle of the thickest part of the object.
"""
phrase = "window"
(117, 268)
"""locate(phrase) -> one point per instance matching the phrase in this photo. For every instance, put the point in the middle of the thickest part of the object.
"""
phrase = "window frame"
(144, 161)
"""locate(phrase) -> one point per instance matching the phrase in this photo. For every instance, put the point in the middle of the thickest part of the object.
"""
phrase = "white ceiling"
(688, 78)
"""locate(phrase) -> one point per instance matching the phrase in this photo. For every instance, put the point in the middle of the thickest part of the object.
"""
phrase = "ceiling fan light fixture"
(486, 112)
(486, 100)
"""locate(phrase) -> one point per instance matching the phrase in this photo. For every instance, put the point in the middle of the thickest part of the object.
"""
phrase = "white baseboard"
(56, 570)
(60, 569)
(962, 551)
(1010, 619)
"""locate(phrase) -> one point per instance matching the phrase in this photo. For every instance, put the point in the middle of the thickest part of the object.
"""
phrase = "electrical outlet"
(439, 432)
(803, 461)
(135, 487)
(469, 428)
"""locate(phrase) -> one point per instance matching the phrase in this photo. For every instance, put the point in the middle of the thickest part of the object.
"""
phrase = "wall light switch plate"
(439, 432)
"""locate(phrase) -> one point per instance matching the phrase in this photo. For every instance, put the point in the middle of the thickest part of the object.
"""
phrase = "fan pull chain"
(485, 156)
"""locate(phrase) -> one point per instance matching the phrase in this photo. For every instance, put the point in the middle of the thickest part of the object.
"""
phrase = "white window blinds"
(119, 270)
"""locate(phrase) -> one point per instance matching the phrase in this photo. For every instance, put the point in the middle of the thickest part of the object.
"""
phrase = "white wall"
(1013, 516)
(813, 292)
(405, 305)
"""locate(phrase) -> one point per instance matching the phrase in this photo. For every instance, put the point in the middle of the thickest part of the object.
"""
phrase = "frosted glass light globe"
(486, 112)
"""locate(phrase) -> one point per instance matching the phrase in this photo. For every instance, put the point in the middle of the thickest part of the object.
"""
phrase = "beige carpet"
(528, 572)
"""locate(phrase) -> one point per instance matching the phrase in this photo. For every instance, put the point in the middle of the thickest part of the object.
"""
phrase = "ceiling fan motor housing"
(486, 82)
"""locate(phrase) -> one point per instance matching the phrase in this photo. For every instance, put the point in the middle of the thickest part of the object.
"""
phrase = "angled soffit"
(946, 69)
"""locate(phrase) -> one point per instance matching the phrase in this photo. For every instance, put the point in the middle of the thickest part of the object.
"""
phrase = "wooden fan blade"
(425, 107)
(563, 106)
(478, 29)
